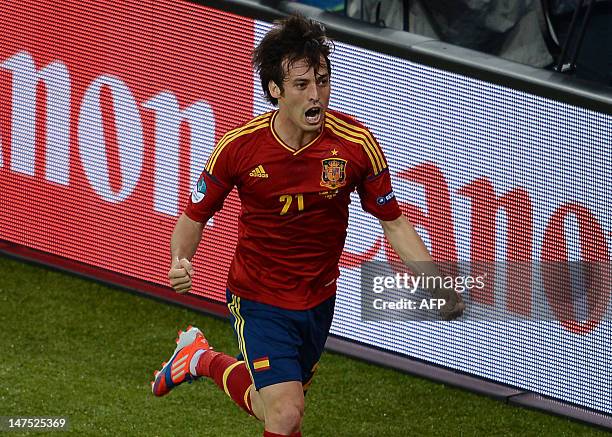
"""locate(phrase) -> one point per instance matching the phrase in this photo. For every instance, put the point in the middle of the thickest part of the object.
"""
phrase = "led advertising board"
(108, 112)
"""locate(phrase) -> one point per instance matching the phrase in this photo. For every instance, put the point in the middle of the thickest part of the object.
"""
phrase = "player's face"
(305, 95)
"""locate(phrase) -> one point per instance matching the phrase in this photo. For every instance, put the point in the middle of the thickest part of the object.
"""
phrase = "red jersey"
(294, 211)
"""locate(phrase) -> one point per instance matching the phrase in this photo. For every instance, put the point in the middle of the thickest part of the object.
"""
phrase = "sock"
(271, 434)
(230, 375)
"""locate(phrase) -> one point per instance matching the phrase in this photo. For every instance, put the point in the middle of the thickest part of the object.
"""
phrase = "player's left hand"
(454, 306)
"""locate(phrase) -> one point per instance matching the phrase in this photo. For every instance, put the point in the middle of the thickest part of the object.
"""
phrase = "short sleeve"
(214, 184)
(375, 191)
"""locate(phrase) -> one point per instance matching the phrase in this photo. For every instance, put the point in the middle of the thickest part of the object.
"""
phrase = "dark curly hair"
(293, 38)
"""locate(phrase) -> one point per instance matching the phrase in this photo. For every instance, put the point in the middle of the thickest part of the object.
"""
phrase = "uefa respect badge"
(199, 191)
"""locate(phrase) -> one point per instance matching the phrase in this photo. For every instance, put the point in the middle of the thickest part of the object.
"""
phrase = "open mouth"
(313, 115)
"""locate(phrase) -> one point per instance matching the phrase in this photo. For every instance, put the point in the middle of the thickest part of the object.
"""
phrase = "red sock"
(230, 375)
(271, 434)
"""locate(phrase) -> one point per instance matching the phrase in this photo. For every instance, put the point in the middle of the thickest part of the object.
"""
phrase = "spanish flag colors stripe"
(261, 364)
(358, 135)
(257, 123)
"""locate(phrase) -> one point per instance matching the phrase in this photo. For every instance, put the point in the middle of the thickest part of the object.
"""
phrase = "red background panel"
(152, 47)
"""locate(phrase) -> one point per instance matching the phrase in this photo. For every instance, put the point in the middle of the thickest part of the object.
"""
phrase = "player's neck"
(290, 134)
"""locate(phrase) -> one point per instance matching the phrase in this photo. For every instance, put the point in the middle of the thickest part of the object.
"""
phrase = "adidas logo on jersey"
(259, 172)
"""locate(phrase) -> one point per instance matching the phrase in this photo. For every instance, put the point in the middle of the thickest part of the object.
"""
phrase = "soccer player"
(295, 169)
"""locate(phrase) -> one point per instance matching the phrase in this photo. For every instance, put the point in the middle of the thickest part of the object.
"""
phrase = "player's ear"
(275, 90)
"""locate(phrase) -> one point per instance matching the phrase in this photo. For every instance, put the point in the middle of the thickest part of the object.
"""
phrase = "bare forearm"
(409, 247)
(185, 238)
(413, 252)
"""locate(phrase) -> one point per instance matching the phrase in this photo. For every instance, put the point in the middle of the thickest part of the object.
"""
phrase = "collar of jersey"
(282, 143)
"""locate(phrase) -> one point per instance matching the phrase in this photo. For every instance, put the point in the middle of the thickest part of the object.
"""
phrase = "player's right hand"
(180, 275)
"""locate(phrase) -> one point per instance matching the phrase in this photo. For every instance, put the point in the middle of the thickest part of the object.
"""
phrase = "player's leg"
(269, 340)
(292, 341)
(232, 375)
(193, 358)
(284, 408)
(257, 405)
(314, 328)
(284, 402)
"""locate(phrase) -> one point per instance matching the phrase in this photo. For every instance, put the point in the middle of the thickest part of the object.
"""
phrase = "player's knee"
(286, 415)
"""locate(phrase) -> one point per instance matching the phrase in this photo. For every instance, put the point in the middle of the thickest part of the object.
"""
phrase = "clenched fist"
(180, 275)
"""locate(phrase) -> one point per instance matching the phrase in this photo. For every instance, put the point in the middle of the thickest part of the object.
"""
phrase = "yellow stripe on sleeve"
(362, 130)
(210, 167)
(375, 167)
(361, 133)
(233, 131)
(259, 122)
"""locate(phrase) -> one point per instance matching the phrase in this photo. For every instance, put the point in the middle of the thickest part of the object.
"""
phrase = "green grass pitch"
(75, 348)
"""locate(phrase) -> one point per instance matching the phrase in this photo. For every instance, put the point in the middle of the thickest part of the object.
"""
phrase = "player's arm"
(185, 240)
(406, 242)
(213, 186)
(205, 200)
(412, 251)
(378, 199)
